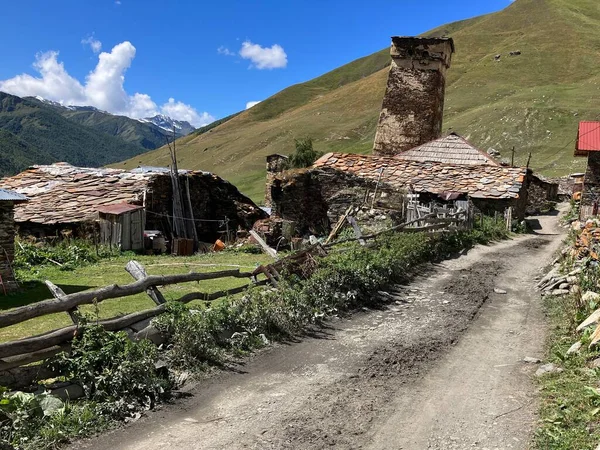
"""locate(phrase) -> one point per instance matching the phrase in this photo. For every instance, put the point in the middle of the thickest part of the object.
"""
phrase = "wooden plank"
(138, 272)
(21, 360)
(219, 294)
(268, 250)
(59, 294)
(357, 232)
(338, 226)
(22, 313)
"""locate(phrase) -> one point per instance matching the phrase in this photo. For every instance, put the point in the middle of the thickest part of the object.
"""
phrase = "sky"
(196, 60)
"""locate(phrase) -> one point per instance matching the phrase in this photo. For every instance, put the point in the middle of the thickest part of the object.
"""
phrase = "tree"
(305, 155)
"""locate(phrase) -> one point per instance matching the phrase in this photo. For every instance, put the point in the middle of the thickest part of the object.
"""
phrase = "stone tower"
(413, 104)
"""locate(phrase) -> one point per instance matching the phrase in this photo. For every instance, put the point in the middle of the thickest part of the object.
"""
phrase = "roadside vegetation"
(121, 378)
(570, 396)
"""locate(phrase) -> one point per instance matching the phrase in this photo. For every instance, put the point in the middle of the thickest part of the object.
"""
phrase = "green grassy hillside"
(532, 102)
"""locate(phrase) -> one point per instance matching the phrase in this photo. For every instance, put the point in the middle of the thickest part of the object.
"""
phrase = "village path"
(439, 368)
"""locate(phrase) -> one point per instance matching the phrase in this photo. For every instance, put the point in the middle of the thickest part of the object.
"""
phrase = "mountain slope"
(36, 133)
(532, 102)
(147, 133)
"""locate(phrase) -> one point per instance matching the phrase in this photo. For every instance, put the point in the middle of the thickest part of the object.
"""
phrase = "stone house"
(8, 200)
(316, 196)
(588, 145)
(64, 198)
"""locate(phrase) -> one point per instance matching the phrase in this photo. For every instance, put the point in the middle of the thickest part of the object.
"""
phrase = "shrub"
(68, 255)
(114, 370)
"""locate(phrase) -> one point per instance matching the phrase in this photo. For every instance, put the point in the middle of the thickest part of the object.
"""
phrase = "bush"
(304, 155)
(113, 370)
(342, 281)
(68, 255)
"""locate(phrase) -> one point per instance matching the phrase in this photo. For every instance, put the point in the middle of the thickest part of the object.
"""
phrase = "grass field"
(111, 271)
(531, 102)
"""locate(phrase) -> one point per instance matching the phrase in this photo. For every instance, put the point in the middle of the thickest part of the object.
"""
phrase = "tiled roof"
(588, 138)
(478, 181)
(10, 196)
(62, 193)
(451, 149)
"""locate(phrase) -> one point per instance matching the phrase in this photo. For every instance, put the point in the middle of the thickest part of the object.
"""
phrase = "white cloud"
(273, 57)
(251, 104)
(94, 43)
(103, 87)
(181, 111)
(222, 50)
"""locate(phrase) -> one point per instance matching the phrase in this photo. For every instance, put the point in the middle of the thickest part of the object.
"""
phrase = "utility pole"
(512, 159)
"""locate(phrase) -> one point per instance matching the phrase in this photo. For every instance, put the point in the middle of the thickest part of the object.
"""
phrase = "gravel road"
(439, 368)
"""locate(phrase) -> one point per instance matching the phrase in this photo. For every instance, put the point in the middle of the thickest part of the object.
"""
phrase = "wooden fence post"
(138, 272)
(59, 294)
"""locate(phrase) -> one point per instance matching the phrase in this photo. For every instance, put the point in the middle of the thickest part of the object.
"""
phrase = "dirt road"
(439, 368)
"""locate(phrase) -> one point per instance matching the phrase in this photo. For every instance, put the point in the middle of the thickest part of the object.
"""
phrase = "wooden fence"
(18, 353)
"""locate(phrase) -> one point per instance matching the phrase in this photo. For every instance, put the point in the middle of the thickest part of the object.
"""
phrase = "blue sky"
(193, 59)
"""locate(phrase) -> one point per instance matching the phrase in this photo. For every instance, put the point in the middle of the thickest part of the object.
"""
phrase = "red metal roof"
(588, 138)
(118, 208)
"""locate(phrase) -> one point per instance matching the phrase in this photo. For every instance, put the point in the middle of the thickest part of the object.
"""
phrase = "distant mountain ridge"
(182, 128)
(149, 133)
(38, 131)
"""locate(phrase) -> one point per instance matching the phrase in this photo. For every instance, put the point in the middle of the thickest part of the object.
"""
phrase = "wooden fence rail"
(71, 301)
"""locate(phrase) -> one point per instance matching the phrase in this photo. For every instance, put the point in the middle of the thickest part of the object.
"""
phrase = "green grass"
(112, 271)
(532, 102)
(570, 408)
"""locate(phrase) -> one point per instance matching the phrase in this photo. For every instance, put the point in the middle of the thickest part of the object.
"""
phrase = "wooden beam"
(70, 301)
(357, 232)
(59, 294)
(138, 272)
(268, 250)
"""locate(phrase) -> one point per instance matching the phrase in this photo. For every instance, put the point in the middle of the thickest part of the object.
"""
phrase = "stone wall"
(7, 242)
(413, 104)
(591, 186)
(212, 199)
(275, 164)
(314, 199)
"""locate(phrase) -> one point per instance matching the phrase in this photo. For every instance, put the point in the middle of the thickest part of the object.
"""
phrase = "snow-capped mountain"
(166, 123)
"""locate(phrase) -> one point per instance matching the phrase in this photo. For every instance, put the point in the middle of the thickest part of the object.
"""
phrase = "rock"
(531, 360)
(499, 291)
(548, 368)
(68, 392)
(590, 296)
(591, 320)
(560, 292)
(574, 348)
(577, 271)
(564, 286)
(264, 339)
(595, 364)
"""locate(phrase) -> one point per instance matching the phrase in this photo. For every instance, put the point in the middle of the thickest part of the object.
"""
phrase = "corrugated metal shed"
(588, 138)
(451, 149)
(118, 209)
(11, 196)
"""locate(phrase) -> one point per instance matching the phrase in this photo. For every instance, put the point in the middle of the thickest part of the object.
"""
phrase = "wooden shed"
(122, 225)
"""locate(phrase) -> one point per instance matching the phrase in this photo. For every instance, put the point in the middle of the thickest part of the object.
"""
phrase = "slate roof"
(451, 149)
(61, 193)
(478, 181)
